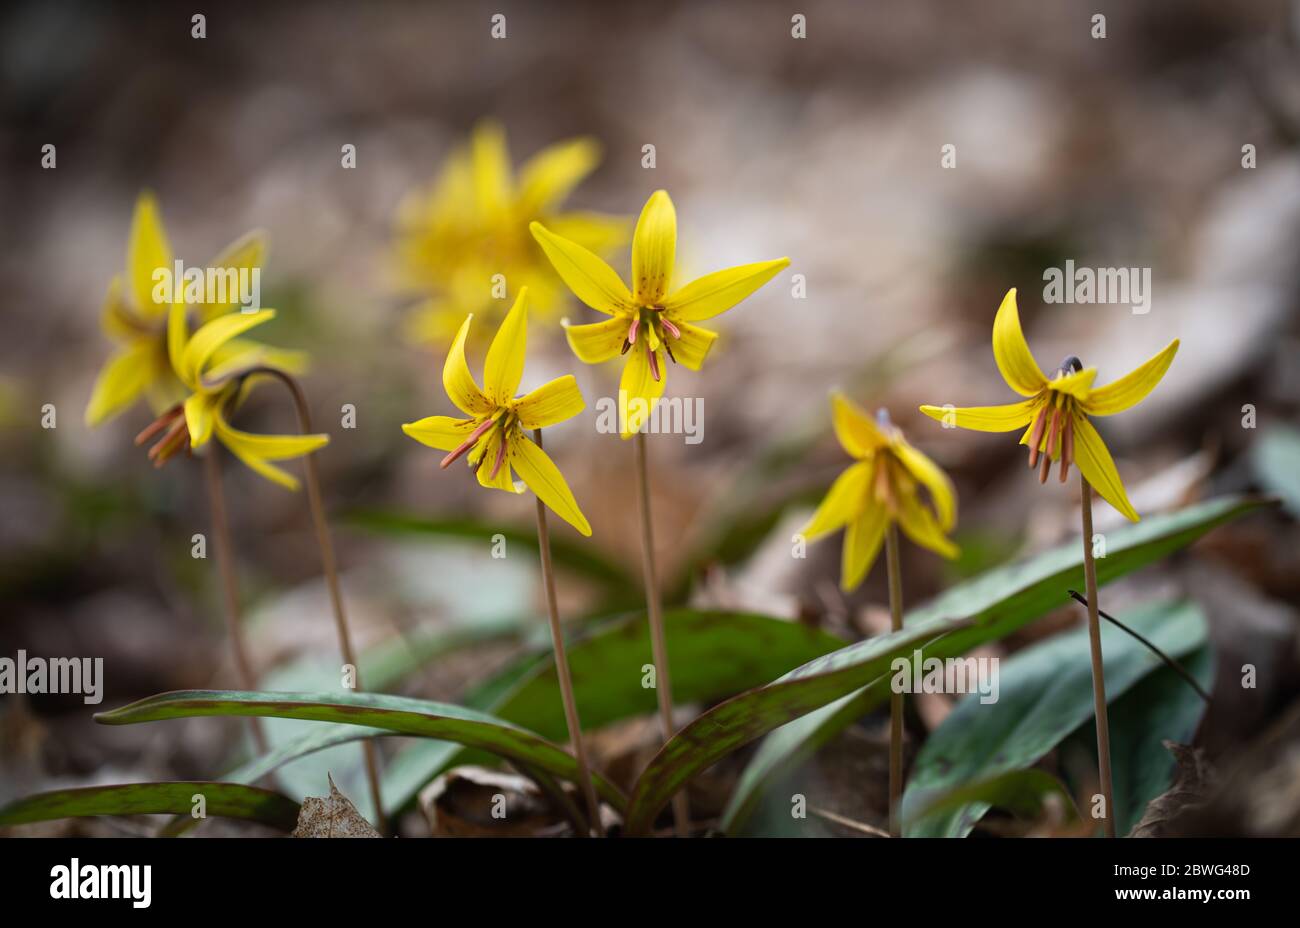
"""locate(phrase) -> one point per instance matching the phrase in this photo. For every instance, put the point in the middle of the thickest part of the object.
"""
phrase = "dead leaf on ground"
(333, 816)
(1192, 787)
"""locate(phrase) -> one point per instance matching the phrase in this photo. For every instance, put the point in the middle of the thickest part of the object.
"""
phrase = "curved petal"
(691, 349)
(920, 525)
(1098, 468)
(245, 255)
(861, 545)
(1011, 351)
(240, 354)
(121, 381)
(933, 479)
(542, 477)
(490, 164)
(550, 403)
(442, 432)
(200, 417)
(504, 367)
(638, 390)
(985, 418)
(597, 341)
(716, 293)
(591, 279)
(211, 336)
(147, 250)
(256, 451)
(843, 501)
(487, 453)
(548, 177)
(1077, 384)
(459, 382)
(1133, 387)
(856, 431)
(654, 249)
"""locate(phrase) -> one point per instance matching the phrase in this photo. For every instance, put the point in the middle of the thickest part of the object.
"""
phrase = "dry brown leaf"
(332, 817)
(1192, 786)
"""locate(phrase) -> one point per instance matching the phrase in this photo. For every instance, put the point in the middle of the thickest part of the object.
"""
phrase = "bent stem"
(654, 610)
(562, 664)
(226, 564)
(330, 568)
(895, 698)
(1098, 668)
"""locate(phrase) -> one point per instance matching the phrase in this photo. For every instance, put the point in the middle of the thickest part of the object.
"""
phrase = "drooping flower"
(882, 487)
(653, 322)
(1057, 410)
(218, 378)
(137, 322)
(492, 437)
(456, 236)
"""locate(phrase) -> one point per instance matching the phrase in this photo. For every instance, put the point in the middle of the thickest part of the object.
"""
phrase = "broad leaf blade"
(228, 800)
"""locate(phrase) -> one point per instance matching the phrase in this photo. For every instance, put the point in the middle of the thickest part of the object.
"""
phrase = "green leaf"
(712, 654)
(1023, 793)
(229, 800)
(997, 603)
(1045, 693)
(397, 714)
(1276, 457)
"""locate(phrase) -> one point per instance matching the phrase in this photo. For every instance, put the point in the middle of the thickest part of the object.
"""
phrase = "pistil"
(468, 443)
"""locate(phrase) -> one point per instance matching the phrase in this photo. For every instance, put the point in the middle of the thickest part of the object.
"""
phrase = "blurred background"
(1123, 151)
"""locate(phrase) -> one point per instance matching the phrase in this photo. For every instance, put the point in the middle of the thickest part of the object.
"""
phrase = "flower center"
(503, 418)
(1052, 435)
(655, 320)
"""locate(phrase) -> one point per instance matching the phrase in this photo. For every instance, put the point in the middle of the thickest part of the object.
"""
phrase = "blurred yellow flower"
(136, 321)
(219, 369)
(464, 243)
(492, 437)
(882, 487)
(653, 319)
(1057, 410)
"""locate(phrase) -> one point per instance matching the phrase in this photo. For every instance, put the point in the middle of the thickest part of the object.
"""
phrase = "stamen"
(501, 458)
(177, 437)
(468, 443)
(1044, 468)
(672, 329)
(626, 345)
(884, 489)
(1052, 433)
(157, 425)
(1036, 436)
(654, 365)
(668, 348)
(1067, 447)
(631, 332)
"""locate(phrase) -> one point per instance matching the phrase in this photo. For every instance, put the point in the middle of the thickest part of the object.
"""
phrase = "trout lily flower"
(653, 322)
(137, 322)
(462, 240)
(882, 487)
(219, 378)
(492, 437)
(1057, 410)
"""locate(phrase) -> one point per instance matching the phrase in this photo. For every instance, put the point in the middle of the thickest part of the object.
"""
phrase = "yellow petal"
(716, 293)
(200, 417)
(122, 380)
(598, 232)
(490, 447)
(654, 249)
(491, 168)
(597, 341)
(920, 525)
(638, 390)
(1098, 468)
(211, 336)
(246, 254)
(1011, 351)
(691, 349)
(843, 501)
(544, 478)
(1133, 387)
(505, 358)
(442, 432)
(1076, 384)
(178, 335)
(985, 418)
(146, 251)
(240, 354)
(548, 177)
(933, 479)
(256, 451)
(591, 279)
(856, 430)
(550, 403)
(861, 545)
(116, 319)
(459, 382)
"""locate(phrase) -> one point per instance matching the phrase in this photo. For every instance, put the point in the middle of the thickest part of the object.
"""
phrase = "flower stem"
(562, 664)
(330, 569)
(1098, 668)
(654, 609)
(895, 699)
(226, 564)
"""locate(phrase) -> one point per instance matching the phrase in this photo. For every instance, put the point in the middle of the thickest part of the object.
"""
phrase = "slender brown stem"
(654, 609)
(1098, 668)
(226, 564)
(330, 568)
(562, 663)
(895, 699)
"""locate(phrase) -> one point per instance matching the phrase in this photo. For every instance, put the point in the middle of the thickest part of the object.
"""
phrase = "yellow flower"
(653, 319)
(493, 436)
(132, 318)
(882, 487)
(219, 377)
(455, 237)
(1057, 410)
